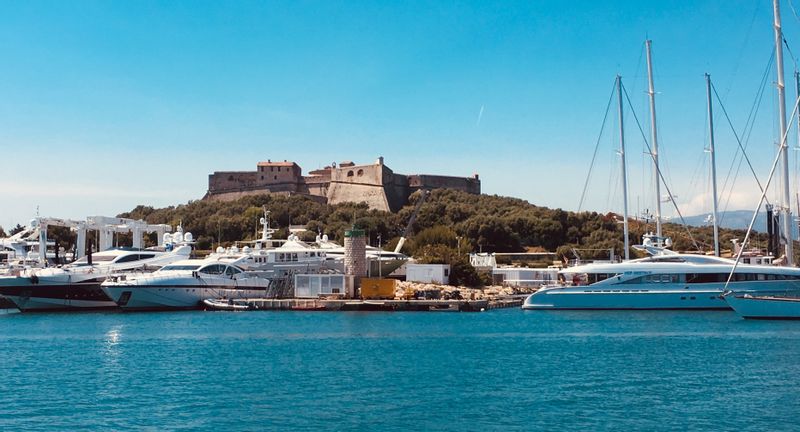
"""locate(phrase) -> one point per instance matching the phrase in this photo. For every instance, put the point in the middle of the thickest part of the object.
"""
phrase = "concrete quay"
(377, 305)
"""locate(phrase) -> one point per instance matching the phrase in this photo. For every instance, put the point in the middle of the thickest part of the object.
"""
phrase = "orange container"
(373, 288)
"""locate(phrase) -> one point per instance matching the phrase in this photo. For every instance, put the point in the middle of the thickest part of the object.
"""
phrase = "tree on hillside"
(17, 229)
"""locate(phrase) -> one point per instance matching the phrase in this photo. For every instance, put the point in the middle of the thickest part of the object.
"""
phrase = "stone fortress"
(375, 184)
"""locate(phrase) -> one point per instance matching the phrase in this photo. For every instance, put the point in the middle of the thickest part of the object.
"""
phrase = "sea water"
(503, 369)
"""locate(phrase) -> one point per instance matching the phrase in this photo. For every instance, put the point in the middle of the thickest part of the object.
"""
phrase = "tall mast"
(786, 204)
(713, 163)
(624, 168)
(654, 135)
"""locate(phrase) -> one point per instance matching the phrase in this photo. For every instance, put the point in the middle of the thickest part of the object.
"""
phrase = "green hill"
(487, 223)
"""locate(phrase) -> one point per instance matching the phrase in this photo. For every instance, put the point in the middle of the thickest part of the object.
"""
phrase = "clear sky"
(106, 105)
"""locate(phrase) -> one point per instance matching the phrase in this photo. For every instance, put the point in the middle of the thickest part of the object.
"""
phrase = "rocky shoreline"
(416, 290)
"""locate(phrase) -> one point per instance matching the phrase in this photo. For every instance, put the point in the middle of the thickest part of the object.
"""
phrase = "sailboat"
(786, 304)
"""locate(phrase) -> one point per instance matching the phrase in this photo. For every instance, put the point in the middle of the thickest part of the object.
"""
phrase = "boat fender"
(34, 279)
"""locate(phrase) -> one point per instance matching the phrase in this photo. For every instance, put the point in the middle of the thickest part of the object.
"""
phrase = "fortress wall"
(426, 181)
(375, 184)
(397, 191)
(359, 174)
(231, 180)
(279, 173)
(235, 195)
(373, 195)
(315, 185)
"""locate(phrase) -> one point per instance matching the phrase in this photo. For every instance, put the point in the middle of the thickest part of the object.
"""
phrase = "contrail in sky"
(480, 115)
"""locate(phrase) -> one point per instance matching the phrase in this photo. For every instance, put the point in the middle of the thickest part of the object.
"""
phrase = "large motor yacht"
(77, 285)
(185, 285)
(666, 280)
(291, 257)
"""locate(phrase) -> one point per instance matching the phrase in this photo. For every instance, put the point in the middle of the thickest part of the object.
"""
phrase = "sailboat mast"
(654, 134)
(786, 204)
(624, 168)
(713, 164)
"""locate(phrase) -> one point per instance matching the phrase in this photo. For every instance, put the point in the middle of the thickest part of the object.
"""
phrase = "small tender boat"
(225, 305)
(765, 307)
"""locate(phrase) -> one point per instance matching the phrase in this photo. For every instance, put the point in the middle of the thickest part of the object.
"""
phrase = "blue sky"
(106, 105)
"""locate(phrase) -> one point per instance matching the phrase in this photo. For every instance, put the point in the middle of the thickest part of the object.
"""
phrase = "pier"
(377, 305)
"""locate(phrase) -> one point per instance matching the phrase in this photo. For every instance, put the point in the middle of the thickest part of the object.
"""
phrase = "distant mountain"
(736, 219)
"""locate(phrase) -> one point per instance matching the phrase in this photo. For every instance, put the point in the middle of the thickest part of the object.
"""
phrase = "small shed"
(428, 273)
(316, 285)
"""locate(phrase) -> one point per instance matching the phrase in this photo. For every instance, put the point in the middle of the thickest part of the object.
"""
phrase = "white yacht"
(381, 262)
(775, 306)
(663, 281)
(77, 285)
(292, 256)
(185, 285)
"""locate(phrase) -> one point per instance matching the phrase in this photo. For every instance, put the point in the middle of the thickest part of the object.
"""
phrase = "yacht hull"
(52, 296)
(173, 296)
(575, 299)
(764, 307)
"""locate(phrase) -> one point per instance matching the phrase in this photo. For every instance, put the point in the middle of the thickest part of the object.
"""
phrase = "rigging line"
(743, 46)
(794, 12)
(596, 147)
(658, 169)
(791, 54)
(748, 131)
(761, 200)
(638, 66)
(736, 135)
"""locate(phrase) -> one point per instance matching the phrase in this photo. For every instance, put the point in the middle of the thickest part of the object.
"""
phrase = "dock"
(377, 305)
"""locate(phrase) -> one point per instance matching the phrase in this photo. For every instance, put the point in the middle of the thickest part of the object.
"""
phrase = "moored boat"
(765, 307)
(185, 285)
(77, 285)
(672, 281)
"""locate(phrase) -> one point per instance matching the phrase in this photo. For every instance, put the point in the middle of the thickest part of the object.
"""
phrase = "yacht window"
(597, 277)
(231, 270)
(128, 258)
(146, 256)
(294, 257)
(280, 257)
(706, 277)
(762, 277)
(180, 267)
(95, 259)
(213, 269)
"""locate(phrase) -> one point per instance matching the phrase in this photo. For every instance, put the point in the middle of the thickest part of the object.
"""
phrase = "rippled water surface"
(506, 369)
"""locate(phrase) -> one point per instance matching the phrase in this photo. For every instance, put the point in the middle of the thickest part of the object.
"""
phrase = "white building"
(428, 273)
(523, 276)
